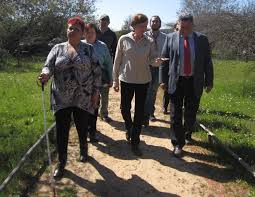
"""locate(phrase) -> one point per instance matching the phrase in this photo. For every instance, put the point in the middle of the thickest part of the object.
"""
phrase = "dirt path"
(115, 172)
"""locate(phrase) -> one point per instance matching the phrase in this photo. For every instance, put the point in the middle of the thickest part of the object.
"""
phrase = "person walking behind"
(135, 53)
(106, 35)
(159, 39)
(105, 61)
(76, 79)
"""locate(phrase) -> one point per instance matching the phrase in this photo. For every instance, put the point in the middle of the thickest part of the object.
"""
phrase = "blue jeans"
(151, 93)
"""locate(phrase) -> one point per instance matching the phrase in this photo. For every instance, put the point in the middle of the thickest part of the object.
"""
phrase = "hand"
(208, 89)
(116, 87)
(163, 86)
(44, 78)
(94, 99)
(158, 61)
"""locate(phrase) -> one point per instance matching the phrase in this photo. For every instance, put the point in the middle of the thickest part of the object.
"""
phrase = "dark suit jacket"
(169, 71)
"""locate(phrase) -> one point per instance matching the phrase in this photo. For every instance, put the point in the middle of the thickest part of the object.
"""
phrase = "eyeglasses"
(72, 28)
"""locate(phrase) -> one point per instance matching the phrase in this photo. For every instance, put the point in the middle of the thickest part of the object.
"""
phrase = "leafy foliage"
(229, 25)
(21, 21)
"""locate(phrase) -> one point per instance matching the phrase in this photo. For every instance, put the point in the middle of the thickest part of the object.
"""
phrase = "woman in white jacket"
(135, 52)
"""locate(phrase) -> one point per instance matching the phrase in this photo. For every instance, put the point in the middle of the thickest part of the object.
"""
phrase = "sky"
(119, 10)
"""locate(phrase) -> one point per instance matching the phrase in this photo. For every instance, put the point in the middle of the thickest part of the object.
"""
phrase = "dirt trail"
(114, 172)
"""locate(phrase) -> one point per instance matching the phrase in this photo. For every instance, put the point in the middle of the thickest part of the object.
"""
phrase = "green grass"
(67, 192)
(229, 111)
(21, 116)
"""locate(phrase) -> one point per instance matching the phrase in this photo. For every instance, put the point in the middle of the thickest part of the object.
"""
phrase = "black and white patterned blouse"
(74, 79)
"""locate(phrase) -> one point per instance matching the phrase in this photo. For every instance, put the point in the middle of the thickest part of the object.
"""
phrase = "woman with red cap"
(76, 78)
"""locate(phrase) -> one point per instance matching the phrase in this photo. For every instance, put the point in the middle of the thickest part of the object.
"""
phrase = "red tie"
(187, 63)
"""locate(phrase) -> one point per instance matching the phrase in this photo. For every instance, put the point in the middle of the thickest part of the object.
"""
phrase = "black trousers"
(63, 121)
(166, 100)
(184, 96)
(92, 124)
(128, 90)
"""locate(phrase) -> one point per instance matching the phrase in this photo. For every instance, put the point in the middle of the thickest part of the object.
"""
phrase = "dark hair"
(138, 19)
(89, 26)
(105, 17)
(76, 21)
(157, 18)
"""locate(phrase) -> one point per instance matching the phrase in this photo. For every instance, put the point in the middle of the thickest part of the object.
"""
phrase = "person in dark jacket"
(187, 73)
(106, 35)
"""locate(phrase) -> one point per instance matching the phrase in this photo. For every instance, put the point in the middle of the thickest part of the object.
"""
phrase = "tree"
(21, 20)
(127, 23)
(200, 7)
(228, 25)
(126, 28)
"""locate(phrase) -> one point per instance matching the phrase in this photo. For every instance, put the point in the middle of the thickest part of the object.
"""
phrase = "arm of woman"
(116, 66)
(108, 64)
(47, 70)
(97, 81)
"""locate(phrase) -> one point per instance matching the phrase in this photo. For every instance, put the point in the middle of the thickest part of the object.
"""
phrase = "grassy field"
(21, 116)
(229, 111)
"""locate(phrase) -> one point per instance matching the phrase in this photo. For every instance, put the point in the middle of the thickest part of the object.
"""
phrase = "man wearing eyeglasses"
(188, 71)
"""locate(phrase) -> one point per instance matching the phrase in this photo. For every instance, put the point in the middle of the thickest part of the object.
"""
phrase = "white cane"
(48, 143)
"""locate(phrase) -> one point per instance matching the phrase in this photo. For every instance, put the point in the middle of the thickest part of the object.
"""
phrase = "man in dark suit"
(186, 71)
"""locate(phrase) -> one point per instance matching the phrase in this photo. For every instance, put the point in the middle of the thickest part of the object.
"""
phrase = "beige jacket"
(132, 60)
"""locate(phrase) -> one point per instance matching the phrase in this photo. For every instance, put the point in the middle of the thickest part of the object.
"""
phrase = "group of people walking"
(84, 68)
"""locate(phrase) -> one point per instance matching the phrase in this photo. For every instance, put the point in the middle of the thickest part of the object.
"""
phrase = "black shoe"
(106, 119)
(136, 150)
(128, 135)
(59, 171)
(84, 158)
(146, 123)
(177, 151)
(153, 118)
(93, 140)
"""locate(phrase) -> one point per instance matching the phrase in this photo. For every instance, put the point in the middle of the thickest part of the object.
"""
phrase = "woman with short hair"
(76, 78)
(135, 52)
(105, 61)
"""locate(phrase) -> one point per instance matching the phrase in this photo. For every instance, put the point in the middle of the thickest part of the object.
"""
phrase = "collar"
(189, 36)
(130, 35)
(105, 30)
